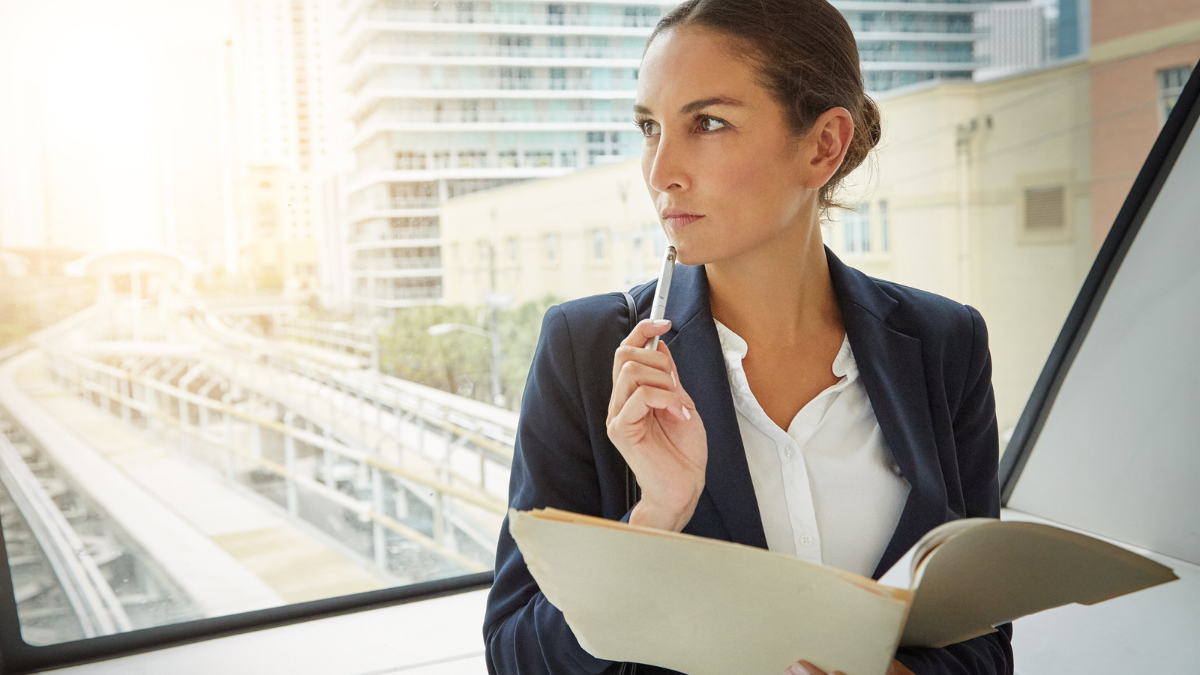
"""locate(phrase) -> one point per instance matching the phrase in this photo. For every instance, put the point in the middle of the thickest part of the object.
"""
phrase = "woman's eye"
(649, 128)
(711, 124)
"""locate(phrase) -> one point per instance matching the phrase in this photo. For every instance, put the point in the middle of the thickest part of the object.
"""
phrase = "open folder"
(703, 606)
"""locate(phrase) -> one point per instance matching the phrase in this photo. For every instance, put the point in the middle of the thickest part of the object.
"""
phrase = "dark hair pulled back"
(807, 58)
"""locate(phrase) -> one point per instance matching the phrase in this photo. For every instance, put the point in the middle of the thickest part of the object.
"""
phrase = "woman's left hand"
(806, 668)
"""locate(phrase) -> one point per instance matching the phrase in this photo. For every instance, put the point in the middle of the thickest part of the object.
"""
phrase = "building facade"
(593, 231)
(900, 46)
(449, 99)
(1142, 55)
(281, 98)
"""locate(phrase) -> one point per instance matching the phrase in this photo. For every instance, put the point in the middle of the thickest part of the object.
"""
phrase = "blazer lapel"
(696, 348)
(893, 373)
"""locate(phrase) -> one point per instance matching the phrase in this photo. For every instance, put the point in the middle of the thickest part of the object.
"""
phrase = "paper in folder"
(708, 607)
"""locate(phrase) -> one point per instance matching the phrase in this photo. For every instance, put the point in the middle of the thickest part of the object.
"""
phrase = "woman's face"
(726, 174)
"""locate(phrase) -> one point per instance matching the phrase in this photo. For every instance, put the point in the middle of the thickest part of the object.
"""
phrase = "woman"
(793, 403)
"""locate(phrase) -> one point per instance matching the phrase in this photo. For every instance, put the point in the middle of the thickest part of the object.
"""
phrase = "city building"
(1142, 54)
(282, 134)
(900, 46)
(449, 99)
(593, 231)
(1015, 39)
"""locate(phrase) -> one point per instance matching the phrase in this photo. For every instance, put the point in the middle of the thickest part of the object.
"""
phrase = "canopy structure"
(121, 261)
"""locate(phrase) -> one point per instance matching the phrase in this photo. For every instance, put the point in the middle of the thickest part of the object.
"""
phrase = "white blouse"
(828, 489)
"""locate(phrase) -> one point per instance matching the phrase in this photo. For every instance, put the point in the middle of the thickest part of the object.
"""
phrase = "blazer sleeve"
(977, 446)
(553, 466)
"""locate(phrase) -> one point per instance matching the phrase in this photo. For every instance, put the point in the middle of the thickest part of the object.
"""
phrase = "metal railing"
(92, 599)
(144, 393)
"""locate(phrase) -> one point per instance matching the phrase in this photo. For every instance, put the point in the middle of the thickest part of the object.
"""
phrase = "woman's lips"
(682, 219)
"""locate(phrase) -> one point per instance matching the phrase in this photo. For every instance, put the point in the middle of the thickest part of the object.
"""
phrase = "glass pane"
(292, 259)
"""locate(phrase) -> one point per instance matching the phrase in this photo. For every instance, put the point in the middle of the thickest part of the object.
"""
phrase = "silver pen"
(660, 293)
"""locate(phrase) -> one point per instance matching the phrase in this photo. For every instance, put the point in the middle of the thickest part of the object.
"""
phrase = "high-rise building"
(1014, 39)
(450, 98)
(281, 96)
(899, 46)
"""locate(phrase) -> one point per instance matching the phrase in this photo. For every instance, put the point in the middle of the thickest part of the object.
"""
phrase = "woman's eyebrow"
(695, 105)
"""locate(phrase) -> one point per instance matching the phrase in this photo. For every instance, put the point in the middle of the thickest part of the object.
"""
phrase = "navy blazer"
(923, 359)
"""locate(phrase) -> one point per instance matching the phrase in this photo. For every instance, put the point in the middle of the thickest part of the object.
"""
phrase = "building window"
(554, 14)
(598, 244)
(1170, 86)
(1044, 209)
(409, 160)
(885, 239)
(558, 78)
(507, 159)
(472, 159)
(551, 246)
(856, 225)
(539, 158)
(512, 249)
(567, 158)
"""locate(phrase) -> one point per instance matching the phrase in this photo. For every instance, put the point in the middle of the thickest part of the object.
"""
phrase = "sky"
(108, 119)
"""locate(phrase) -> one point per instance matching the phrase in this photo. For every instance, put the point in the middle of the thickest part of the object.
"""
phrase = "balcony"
(472, 18)
(499, 51)
(390, 264)
(400, 117)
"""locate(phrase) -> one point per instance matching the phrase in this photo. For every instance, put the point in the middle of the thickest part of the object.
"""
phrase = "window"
(467, 125)
(409, 160)
(472, 159)
(539, 158)
(856, 227)
(1170, 86)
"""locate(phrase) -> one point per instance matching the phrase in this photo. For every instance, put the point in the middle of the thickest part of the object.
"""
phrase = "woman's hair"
(807, 58)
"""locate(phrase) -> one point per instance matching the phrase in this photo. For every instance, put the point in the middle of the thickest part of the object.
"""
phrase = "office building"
(900, 47)
(451, 98)
(281, 95)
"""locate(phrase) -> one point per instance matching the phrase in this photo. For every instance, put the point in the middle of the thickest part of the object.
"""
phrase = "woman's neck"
(779, 293)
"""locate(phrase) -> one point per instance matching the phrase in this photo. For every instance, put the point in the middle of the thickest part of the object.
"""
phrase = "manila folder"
(701, 606)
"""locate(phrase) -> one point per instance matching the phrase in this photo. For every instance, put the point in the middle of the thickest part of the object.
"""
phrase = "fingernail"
(797, 669)
(674, 381)
(661, 322)
(686, 414)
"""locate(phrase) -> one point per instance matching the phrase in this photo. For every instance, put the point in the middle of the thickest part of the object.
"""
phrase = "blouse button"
(788, 452)
(806, 540)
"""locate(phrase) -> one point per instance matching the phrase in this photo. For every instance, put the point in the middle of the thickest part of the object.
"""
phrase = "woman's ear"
(827, 143)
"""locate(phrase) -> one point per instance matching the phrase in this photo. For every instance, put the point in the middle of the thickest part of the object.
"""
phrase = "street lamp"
(492, 335)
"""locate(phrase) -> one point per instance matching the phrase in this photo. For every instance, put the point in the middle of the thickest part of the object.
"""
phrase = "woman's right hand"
(654, 424)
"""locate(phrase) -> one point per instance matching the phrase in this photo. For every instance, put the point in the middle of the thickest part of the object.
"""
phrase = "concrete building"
(1015, 39)
(1141, 55)
(592, 232)
(900, 46)
(281, 97)
(449, 99)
